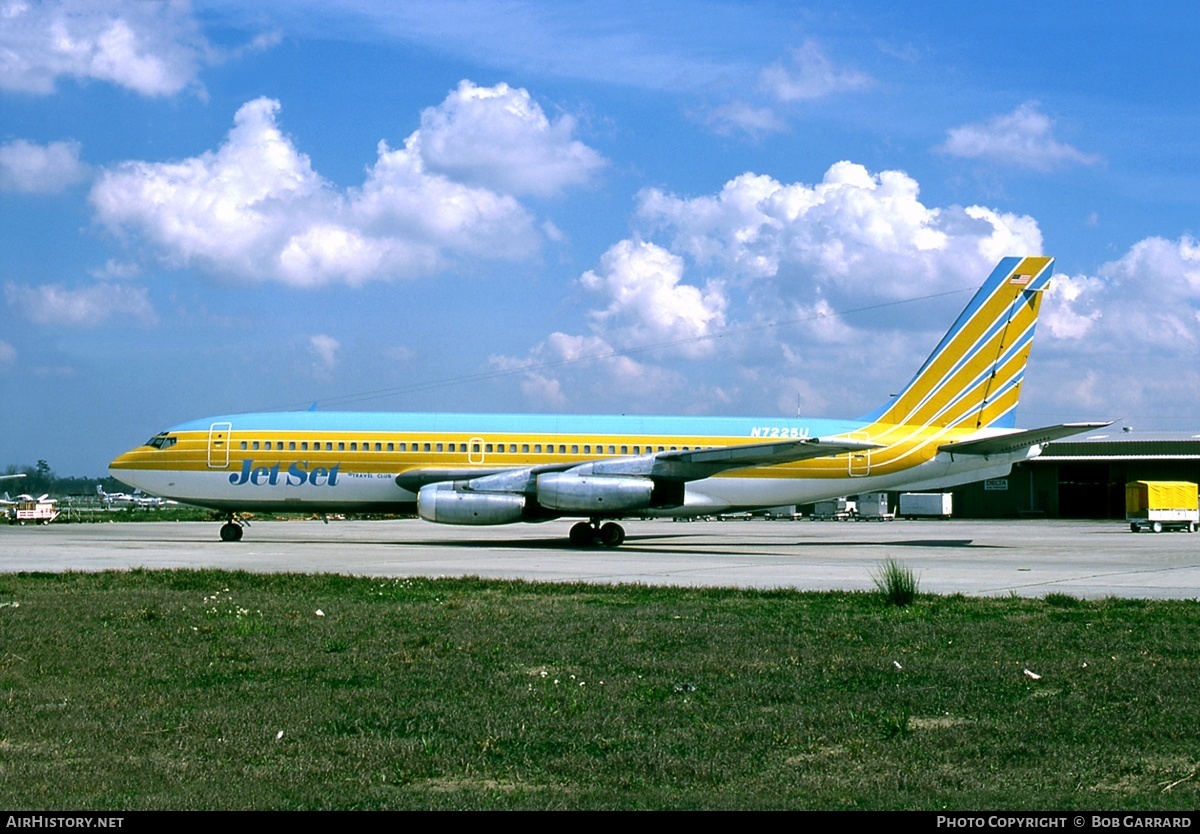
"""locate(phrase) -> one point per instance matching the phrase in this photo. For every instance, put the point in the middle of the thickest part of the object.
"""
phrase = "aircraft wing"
(1015, 441)
(678, 464)
(414, 479)
(703, 463)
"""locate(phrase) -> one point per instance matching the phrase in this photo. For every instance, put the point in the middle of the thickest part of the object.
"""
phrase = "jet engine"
(447, 503)
(597, 495)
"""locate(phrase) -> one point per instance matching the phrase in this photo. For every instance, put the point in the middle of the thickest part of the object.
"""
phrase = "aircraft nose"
(121, 461)
(124, 467)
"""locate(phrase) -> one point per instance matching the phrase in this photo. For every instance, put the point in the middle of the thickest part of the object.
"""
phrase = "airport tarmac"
(978, 558)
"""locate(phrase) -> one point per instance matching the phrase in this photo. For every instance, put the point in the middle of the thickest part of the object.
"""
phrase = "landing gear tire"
(231, 532)
(583, 534)
(611, 534)
(1134, 527)
(1156, 527)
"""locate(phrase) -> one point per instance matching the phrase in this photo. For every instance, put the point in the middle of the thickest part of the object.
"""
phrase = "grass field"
(150, 690)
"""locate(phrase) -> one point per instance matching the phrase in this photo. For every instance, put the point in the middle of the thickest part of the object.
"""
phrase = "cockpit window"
(162, 440)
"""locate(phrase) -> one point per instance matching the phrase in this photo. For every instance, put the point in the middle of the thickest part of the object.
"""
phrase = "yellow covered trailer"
(1162, 505)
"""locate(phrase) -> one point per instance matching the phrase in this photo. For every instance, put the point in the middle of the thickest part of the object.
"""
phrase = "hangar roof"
(1125, 445)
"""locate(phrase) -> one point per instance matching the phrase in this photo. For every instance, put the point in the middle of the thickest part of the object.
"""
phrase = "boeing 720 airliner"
(952, 424)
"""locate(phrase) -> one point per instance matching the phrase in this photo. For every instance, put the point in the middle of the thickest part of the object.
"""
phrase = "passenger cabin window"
(341, 445)
(243, 444)
(439, 447)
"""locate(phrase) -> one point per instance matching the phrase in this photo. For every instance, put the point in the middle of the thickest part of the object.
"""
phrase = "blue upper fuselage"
(368, 421)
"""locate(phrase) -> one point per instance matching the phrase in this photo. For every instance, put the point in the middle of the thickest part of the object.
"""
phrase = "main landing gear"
(587, 534)
(231, 530)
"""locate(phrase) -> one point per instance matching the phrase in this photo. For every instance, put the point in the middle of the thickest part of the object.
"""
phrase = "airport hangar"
(1082, 477)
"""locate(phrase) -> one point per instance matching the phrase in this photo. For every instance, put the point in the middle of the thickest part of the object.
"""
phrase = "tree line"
(41, 479)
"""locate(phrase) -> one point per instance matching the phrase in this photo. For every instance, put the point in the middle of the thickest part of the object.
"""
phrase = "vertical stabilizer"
(973, 377)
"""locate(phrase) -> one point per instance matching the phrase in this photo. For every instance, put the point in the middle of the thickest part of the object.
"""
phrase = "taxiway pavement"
(977, 558)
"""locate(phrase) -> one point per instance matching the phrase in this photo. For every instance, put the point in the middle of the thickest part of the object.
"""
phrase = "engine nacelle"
(447, 504)
(594, 495)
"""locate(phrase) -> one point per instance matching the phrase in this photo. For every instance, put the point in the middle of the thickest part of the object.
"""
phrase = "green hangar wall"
(1083, 478)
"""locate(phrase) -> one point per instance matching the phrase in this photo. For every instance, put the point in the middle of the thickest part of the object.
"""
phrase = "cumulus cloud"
(1122, 342)
(775, 267)
(30, 168)
(810, 75)
(255, 208)
(1023, 138)
(1149, 298)
(591, 367)
(55, 304)
(853, 232)
(760, 254)
(1067, 306)
(648, 304)
(155, 49)
(499, 138)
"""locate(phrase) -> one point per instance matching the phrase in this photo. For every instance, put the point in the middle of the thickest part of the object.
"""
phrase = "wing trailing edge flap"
(682, 465)
(1002, 444)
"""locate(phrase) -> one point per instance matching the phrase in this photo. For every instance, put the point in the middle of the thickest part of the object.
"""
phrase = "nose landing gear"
(231, 530)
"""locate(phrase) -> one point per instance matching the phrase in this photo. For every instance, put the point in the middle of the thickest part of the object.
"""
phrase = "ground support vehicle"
(1161, 505)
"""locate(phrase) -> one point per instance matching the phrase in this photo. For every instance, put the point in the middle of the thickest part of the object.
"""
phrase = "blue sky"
(701, 208)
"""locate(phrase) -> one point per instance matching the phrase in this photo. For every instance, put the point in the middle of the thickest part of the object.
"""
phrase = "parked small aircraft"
(109, 500)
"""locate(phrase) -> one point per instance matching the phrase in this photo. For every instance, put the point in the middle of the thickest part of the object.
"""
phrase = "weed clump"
(896, 582)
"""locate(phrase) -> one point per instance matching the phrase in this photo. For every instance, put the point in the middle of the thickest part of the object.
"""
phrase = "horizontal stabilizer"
(1015, 441)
